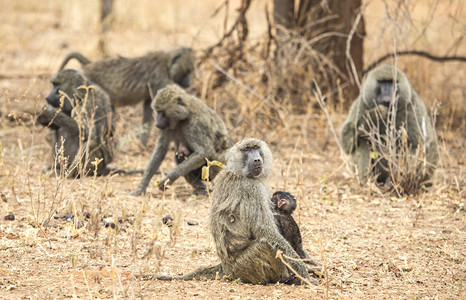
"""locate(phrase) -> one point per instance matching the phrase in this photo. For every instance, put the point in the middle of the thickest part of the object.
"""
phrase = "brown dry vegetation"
(373, 245)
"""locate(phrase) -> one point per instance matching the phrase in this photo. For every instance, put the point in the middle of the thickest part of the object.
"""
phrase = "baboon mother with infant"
(81, 118)
(388, 104)
(243, 226)
(242, 222)
(129, 81)
(198, 133)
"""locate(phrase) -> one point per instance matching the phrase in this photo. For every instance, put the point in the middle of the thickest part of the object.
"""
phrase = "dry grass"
(373, 245)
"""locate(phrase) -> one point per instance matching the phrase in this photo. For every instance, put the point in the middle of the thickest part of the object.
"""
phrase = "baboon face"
(284, 202)
(250, 158)
(171, 107)
(253, 161)
(183, 79)
(65, 90)
(386, 85)
(162, 121)
(386, 92)
(182, 65)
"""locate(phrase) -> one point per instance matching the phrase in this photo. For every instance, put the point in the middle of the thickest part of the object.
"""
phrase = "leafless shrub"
(407, 167)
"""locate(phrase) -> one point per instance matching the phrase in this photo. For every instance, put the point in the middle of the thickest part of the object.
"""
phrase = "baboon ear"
(180, 101)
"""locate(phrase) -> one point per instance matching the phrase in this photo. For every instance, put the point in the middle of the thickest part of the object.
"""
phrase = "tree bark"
(335, 18)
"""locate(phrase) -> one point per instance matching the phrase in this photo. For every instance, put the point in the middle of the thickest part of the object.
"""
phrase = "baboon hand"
(166, 181)
(138, 192)
(45, 114)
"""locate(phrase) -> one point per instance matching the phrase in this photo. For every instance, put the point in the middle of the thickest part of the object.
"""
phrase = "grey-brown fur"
(190, 124)
(81, 118)
(366, 111)
(129, 81)
(242, 222)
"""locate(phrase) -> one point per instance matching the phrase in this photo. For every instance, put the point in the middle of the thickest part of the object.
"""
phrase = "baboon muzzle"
(385, 95)
(256, 166)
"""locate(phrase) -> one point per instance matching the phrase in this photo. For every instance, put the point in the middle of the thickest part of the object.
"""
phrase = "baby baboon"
(388, 102)
(81, 117)
(197, 130)
(284, 205)
(129, 81)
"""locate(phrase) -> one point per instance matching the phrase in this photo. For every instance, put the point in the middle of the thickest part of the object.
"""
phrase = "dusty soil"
(372, 245)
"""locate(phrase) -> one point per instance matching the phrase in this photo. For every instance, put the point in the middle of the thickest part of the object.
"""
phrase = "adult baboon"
(129, 81)
(197, 131)
(242, 223)
(388, 112)
(81, 118)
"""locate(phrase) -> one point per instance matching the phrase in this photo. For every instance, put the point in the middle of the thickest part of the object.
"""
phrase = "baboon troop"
(81, 118)
(390, 113)
(197, 131)
(256, 237)
(129, 81)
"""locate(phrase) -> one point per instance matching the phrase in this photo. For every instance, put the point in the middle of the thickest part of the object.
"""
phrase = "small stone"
(10, 217)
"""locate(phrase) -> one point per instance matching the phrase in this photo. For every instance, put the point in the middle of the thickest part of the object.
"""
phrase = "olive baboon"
(197, 131)
(242, 223)
(129, 81)
(387, 103)
(284, 205)
(81, 118)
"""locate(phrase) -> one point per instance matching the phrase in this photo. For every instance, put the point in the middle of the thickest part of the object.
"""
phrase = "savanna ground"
(372, 245)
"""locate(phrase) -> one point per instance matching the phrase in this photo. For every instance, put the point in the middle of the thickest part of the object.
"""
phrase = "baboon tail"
(203, 273)
(125, 172)
(76, 55)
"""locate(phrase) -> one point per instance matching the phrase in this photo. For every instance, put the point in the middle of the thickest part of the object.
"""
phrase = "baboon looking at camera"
(242, 222)
(198, 133)
(129, 81)
(81, 118)
(243, 226)
(389, 115)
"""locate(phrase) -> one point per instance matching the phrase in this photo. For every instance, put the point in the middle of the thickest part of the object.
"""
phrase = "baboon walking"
(129, 81)
(389, 112)
(81, 118)
(198, 133)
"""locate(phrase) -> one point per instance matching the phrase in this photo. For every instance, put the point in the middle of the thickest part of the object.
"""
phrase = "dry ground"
(373, 245)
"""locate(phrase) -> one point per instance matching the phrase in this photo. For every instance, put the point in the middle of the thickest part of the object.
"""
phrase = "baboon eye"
(245, 149)
(255, 147)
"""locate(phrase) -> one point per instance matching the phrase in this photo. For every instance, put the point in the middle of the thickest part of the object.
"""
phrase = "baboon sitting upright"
(129, 81)
(198, 133)
(388, 112)
(81, 117)
(242, 222)
(243, 226)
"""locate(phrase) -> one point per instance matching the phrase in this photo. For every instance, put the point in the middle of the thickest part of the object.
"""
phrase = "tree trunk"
(106, 7)
(332, 22)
